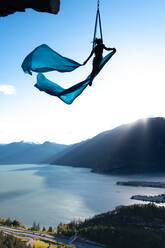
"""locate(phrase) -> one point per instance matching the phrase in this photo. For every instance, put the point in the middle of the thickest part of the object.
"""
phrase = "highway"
(30, 236)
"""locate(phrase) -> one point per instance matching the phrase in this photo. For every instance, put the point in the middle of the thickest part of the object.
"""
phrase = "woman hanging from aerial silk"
(44, 59)
(98, 52)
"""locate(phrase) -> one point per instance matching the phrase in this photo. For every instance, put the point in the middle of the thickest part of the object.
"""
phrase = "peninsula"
(155, 198)
(142, 184)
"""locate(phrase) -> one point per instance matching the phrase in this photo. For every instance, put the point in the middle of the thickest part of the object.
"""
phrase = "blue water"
(51, 194)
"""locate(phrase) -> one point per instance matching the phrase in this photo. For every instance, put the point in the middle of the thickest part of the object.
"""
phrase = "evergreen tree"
(50, 229)
(44, 229)
(38, 227)
(33, 226)
(16, 223)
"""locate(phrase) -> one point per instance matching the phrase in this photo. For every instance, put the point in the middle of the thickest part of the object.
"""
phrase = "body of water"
(50, 194)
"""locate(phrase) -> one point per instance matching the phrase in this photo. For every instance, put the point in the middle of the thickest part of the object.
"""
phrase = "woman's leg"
(96, 63)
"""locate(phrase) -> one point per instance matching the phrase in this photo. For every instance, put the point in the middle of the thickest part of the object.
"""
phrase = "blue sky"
(131, 86)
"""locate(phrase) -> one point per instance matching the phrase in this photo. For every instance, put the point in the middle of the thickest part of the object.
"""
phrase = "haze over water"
(51, 194)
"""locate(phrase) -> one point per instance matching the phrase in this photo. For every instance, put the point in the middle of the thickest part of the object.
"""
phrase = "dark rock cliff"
(8, 7)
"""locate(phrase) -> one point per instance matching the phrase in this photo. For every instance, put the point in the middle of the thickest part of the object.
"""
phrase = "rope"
(98, 19)
(98, 4)
(95, 29)
(101, 34)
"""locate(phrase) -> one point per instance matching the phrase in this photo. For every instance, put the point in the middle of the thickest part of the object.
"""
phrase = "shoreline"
(155, 198)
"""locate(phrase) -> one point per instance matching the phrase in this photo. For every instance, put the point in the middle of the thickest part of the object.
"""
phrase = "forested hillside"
(133, 148)
(127, 226)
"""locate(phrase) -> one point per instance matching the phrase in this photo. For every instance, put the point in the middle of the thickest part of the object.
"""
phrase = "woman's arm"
(109, 49)
(88, 57)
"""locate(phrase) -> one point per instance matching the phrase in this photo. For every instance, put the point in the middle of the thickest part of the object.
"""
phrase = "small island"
(155, 198)
(142, 184)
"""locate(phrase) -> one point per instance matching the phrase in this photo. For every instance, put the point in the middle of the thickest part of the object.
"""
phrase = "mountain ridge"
(137, 147)
(28, 152)
(130, 148)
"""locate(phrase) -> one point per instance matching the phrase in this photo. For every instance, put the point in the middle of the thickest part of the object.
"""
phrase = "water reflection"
(4, 196)
(51, 194)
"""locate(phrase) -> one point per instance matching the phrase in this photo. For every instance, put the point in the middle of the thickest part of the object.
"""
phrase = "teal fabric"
(44, 59)
(70, 94)
(66, 95)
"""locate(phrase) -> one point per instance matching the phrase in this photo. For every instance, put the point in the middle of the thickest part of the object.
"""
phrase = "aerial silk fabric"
(66, 95)
(44, 59)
